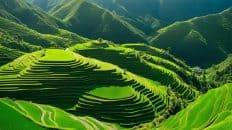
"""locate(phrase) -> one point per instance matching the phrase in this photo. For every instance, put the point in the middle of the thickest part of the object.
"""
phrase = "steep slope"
(141, 14)
(201, 41)
(221, 73)
(92, 21)
(20, 37)
(30, 116)
(212, 111)
(30, 15)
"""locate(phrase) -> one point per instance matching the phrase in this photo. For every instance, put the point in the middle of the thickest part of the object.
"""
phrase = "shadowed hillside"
(20, 37)
(201, 41)
(93, 21)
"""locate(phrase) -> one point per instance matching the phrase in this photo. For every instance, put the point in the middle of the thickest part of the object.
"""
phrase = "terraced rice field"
(30, 116)
(212, 111)
(167, 72)
(75, 83)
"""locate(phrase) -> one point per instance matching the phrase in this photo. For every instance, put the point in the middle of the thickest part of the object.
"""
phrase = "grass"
(28, 115)
(73, 82)
(52, 55)
(215, 115)
(151, 66)
(112, 92)
(220, 73)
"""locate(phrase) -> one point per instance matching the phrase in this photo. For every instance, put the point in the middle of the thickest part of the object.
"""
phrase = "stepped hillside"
(30, 116)
(158, 65)
(221, 73)
(94, 22)
(75, 83)
(212, 111)
(201, 41)
(20, 37)
(86, 86)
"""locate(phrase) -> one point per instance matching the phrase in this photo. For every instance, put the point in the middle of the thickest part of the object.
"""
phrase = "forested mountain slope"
(201, 41)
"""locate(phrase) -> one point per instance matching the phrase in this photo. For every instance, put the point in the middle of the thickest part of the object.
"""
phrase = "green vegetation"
(72, 82)
(209, 36)
(141, 63)
(7, 54)
(211, 111)
(20, 37)
(29, 15)
(28, 115)
(112, 92)
(92, 21)
(95, 84)
(221, 73)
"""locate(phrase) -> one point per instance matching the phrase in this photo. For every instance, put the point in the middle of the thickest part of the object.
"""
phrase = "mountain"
(201, 41)
(26, 28)
(94, 22)
(211, 111)
(33, 17)
(167, 11)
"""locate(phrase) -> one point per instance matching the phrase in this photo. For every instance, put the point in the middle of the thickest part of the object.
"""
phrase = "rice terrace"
(115, 65)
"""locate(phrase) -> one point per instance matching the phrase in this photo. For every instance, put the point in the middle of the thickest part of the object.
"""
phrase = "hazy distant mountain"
(166, 10)
(199, 41)
(150, 15)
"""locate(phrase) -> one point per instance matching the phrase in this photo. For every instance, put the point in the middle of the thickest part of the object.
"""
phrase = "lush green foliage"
(7, 54)
(141, 63)
(209, 36)
(212, 111)
(221, 73)
(71, 81)
(30, 116)
(20, 37)
(92, 21)
(41, 61)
